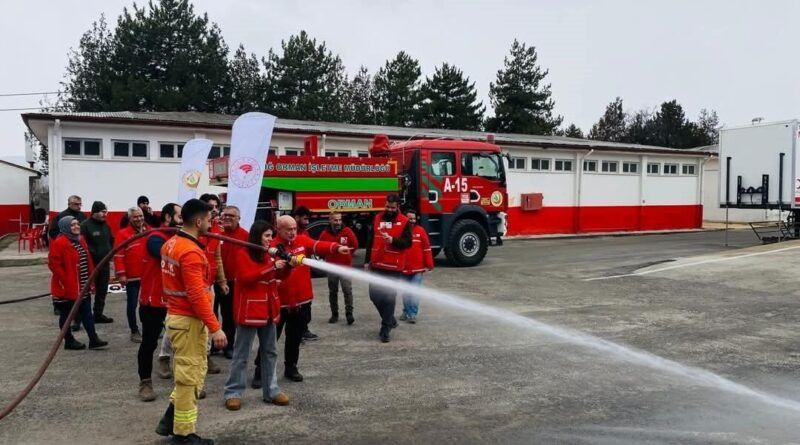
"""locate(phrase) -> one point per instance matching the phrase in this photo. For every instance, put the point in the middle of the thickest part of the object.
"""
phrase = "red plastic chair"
(27, 236)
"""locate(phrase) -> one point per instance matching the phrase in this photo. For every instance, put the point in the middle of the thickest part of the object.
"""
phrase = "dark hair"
(142, 199)
(193, 209)
(393, 197)
(168, 209)
(256, 232)
(205, 197)
(410, 210)
(301, 211)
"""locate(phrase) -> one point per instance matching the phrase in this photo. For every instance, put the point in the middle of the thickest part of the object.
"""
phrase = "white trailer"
(759, 166)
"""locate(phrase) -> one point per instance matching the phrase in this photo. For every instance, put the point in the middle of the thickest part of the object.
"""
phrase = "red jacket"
(255, 297)
(151, 293)
(130, 260)
(63, 261)
(211, 252)
(419, 256)
(229, 252)
(386, 256)
(296, 288)
(345, 237)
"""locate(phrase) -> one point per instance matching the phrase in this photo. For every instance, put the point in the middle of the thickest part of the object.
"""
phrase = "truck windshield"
(485, 165)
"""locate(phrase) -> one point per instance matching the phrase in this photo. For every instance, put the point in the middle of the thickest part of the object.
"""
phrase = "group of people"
(185, 283)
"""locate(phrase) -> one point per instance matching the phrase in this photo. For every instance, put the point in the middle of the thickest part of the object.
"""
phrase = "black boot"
(293, 374)
(348, 313)
(166, 423)
(191, 439)
(334, 317)
(72, 344)
(96, 343)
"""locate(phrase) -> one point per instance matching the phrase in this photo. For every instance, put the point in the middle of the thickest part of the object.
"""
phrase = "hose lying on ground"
(20, 300)
(100, 264)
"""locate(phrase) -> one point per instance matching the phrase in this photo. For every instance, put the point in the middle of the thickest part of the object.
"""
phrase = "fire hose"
(278, 252)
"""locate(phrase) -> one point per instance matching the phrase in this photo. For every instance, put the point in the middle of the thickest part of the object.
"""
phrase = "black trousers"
(101, 290)
(152, 319)
(223, 308)
(384, 299)
(296, 322)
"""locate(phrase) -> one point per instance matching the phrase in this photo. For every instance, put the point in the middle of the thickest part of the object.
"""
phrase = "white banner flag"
(250, 139)
(193, 161)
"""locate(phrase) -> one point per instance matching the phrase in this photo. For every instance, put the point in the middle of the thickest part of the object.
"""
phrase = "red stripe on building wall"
(10, 215)
(554, 220)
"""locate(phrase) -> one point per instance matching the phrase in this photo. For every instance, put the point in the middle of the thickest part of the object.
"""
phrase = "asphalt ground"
(461, 377)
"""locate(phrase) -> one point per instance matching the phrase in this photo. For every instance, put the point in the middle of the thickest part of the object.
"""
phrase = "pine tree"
(360, 98)
(573, 132)
(396, 91)
(611, 126)
(639, 128)
(307, 81)
(247, 84)
(708, 124)
(449, 101)
(522, 102)
(160, 58)
(670, 127)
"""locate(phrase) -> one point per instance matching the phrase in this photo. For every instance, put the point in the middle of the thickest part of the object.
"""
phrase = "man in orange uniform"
(190, 317)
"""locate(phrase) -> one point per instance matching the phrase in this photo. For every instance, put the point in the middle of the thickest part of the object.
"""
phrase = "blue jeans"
(84, 312)
(132, 291)
(268, 350)
(411, 301)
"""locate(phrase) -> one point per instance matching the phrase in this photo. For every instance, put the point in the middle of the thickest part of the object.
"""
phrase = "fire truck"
(457, 187)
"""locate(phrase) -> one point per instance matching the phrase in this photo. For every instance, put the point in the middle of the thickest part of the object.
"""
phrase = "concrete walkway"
(10, 257)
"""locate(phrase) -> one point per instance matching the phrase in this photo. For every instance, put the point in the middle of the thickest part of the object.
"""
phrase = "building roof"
(21, 167)
(193, 119)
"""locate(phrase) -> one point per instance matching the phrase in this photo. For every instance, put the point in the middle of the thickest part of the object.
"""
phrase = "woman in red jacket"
(71, 264)
(256, 311)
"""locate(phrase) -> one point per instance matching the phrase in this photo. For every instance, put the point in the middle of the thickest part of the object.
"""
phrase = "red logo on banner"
(245, 172)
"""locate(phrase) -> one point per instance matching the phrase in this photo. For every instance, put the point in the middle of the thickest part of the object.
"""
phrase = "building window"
(630, 167)
(540, 165)
(363, 154)
(670, 169)
(82, 147)
(337, 153)
(590, 166)
(516, 163)
(293, 151)
(443, 164)
(688, 169)
(653, 168)
(563, 165)
(130, 149)
(218, 151)
(608, 166)
(170, 150)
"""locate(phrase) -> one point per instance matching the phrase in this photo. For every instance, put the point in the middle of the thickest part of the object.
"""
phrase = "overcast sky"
(737, 57)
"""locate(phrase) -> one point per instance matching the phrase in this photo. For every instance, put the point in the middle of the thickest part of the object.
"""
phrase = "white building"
(582, 185)
(15, 206)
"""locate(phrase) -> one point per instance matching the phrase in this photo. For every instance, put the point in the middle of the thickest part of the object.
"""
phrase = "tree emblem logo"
(191, 179)
(245, 172)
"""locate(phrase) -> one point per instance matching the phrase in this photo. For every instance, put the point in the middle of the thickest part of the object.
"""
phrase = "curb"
(606, 234)
(19, 262)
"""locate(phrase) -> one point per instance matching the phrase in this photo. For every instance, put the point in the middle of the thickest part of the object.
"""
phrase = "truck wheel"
(467, 244)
